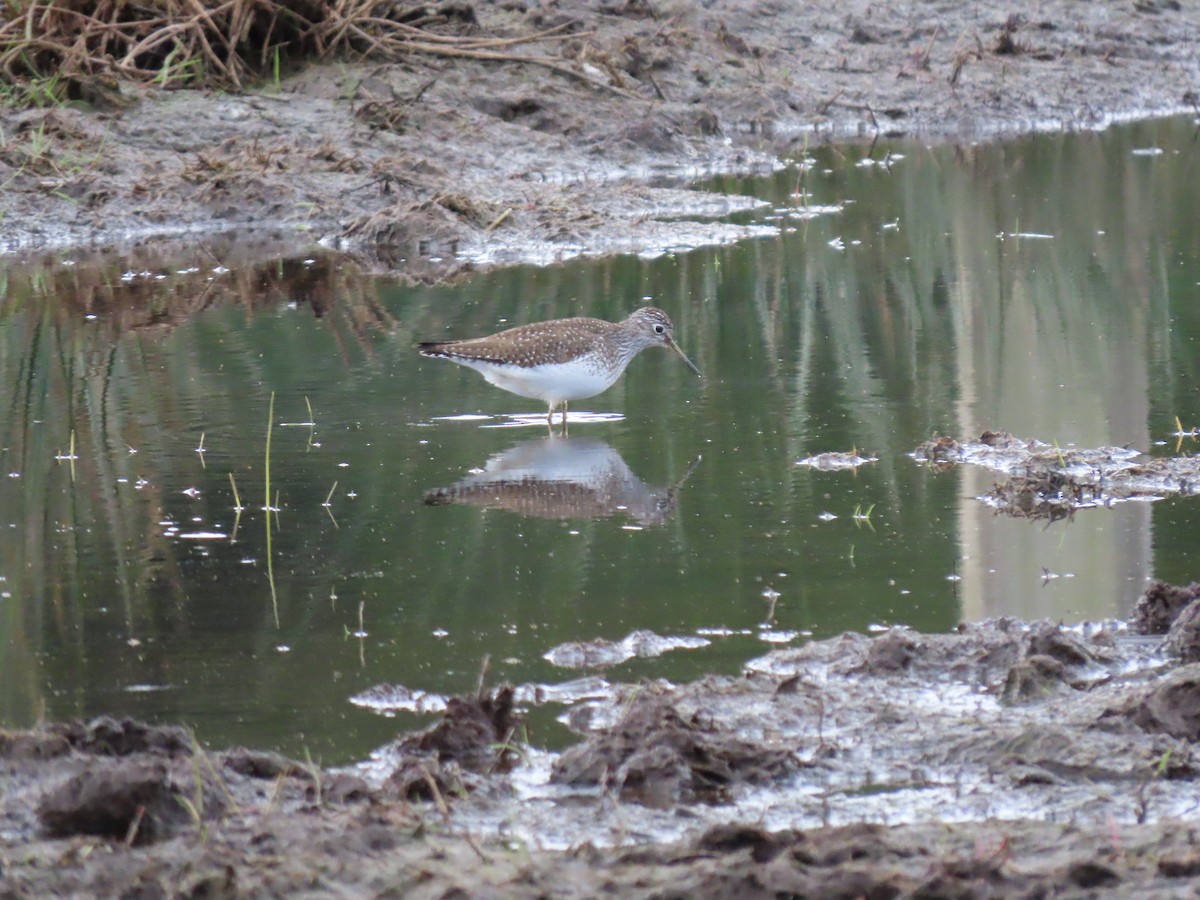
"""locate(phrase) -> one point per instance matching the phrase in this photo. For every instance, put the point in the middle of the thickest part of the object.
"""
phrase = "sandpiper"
(562, 359)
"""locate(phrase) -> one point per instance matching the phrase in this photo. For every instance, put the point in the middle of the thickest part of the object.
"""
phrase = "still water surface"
(1047, 287)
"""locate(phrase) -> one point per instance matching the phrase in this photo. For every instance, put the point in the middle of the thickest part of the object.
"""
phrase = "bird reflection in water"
(563, 478)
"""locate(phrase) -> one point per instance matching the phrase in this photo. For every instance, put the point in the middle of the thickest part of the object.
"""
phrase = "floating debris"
(1049, 482)
(835, 462)
(598, 653)
(783, 636)
(808, 211)
(591, 687)
(389, 699)
(886, 163)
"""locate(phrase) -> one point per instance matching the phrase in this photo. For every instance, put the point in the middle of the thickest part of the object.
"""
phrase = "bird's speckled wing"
(555, 341)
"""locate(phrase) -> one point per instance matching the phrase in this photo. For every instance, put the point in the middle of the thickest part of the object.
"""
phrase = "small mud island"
(430, 140)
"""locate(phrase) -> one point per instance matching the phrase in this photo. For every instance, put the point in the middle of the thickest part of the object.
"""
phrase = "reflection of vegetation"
(152, 289)
(268, 509)
(76, 342)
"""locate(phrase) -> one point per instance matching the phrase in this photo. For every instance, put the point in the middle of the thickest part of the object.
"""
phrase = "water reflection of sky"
(920, 302)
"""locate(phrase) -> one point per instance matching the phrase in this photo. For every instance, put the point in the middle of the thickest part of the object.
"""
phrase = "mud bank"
(1001, 760)
(473, 163)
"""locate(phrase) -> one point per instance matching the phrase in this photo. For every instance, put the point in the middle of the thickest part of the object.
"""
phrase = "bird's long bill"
(691, 365)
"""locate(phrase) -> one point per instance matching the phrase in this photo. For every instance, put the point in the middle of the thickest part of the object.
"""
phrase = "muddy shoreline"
(1007, 759)
(1000, 760)
(433, 166)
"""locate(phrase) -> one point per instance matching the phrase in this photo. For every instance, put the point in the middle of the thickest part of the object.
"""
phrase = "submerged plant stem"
(267, 510)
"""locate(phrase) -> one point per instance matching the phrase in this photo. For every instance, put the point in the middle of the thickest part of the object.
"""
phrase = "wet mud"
(654, 756)
(1003, 759)
(475, 737)
(436, 165)
(1036, 480)
(1160, 606)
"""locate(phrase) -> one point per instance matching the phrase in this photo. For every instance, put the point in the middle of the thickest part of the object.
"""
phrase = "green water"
(914, 311)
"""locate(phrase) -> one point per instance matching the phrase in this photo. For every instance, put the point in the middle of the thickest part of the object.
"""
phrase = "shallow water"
(1047, 287)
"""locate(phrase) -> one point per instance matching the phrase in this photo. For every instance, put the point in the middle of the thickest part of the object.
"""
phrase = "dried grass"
(228, 43)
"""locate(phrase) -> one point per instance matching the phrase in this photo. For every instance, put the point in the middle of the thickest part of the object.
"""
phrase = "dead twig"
(823, 108)
(498, 221)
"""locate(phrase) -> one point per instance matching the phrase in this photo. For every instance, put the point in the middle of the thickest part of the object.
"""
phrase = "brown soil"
(409, 163)
(504, 161)
(1092, 732)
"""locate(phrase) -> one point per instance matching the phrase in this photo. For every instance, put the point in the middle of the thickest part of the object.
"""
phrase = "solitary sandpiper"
(562, 359)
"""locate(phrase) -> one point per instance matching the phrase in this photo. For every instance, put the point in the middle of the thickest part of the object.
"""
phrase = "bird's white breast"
(552, 382)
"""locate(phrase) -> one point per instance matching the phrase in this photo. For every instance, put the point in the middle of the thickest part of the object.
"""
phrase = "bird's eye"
(659, 329)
